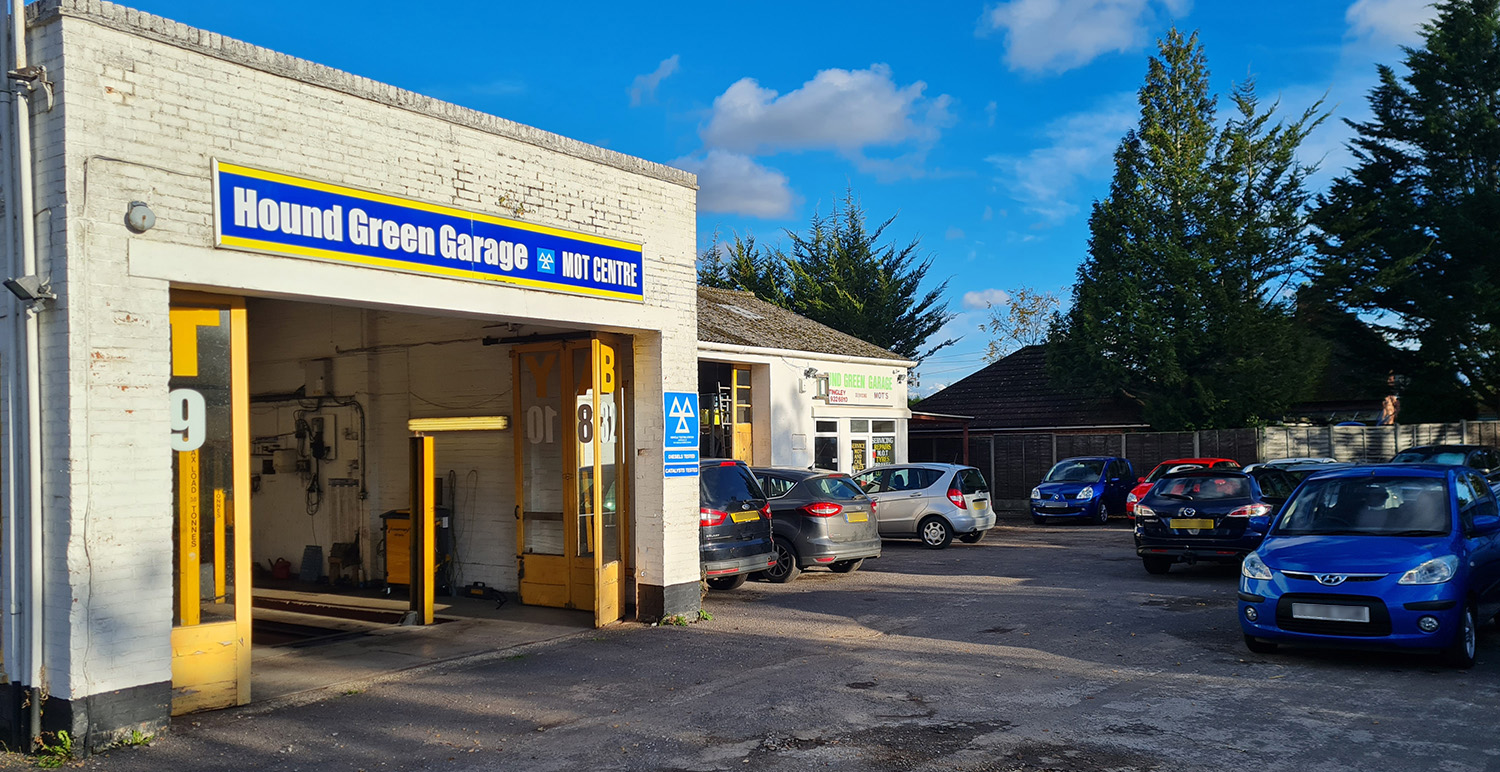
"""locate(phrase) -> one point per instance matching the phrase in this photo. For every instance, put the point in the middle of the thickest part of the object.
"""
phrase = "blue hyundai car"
(1089, 488)
(1393, 556)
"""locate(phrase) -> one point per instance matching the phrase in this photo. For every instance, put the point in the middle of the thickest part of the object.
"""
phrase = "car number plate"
(981, 504)
(1189, 522)
(747, 516)
(1327, 613)
(857, 517)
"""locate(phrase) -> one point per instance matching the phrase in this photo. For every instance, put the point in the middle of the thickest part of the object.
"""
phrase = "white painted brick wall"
(143, 105)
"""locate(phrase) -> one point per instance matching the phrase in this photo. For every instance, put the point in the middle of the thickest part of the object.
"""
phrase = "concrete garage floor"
(1041, 648)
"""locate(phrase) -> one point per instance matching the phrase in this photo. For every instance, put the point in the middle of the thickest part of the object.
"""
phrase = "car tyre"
(785, 569)
(1103, 518)
(935, 532)
(1460, 653)
(1157, 566)
(846, 566)
(722, 583)
(1258, 646)
(972, 538)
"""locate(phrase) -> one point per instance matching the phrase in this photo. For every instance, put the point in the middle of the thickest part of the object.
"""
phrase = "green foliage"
(137, 739)
(676, 620)
(1408, 237)
(1022, 321)
(841, 274)
(54, 754)
(704, 615)
(1184, 300)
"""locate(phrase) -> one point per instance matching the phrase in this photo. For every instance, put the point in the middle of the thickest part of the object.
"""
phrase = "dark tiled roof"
(1016, 393)
(741, 319)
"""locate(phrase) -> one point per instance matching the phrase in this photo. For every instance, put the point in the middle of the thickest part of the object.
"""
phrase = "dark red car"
(1144, 484)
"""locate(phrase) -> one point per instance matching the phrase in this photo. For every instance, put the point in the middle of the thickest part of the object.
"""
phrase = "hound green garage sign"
(861, 388)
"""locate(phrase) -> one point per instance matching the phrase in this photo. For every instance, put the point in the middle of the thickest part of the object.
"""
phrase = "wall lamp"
(811, 372)
(30, 289)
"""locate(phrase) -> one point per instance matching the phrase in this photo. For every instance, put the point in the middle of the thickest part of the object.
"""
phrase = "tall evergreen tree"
(1408, 237)
(842, 275)
(1183, 301)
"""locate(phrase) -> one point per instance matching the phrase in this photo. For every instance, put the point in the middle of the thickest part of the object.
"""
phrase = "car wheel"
(1157, 566)
(972, 538)
(1258, 646)
(726, 582)
(845, 566)
(1103, 518)
(1038, 519)
(785, 569)
(1460, 653)
(935, 532)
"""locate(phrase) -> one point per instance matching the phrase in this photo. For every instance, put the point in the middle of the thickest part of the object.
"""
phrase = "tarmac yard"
(1040, 648)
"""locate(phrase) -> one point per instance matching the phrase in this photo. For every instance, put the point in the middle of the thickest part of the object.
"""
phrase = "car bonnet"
(1353, 554)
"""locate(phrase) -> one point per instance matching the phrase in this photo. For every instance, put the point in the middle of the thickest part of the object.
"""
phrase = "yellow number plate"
(1179, 522)
(857, 517)
(745, 517)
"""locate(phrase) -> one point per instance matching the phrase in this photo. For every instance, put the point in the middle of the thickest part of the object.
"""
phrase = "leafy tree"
(1183, 302)
(1408, 236)
(1022, 320)
(842, 275)
(712, 267)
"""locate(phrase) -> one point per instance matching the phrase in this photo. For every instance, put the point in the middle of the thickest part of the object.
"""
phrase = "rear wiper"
(1178, 496)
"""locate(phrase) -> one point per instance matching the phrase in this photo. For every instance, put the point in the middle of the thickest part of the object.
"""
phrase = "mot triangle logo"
(682, 411)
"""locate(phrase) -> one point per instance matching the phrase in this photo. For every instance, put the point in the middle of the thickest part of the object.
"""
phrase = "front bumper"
(1089, 508)
(744, 565)
(1394, 612)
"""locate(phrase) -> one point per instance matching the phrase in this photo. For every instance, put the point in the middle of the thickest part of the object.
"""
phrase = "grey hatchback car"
(819, 519)
(933, 502)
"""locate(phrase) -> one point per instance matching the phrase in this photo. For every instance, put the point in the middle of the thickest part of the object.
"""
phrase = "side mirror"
(1484, 525)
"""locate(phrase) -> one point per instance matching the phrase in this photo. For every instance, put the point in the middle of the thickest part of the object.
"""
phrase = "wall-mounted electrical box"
(284, 461)
(319, 378)
(323, 442)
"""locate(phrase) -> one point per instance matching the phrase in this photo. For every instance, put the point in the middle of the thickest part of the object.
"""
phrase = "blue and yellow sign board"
(264, 211)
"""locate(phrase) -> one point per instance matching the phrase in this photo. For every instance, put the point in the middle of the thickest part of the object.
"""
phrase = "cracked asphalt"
(1040, 648)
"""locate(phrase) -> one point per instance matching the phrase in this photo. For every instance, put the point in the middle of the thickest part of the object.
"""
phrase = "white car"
(933, 502)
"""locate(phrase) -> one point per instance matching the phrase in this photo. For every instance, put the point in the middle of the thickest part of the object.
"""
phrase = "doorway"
(572, 474)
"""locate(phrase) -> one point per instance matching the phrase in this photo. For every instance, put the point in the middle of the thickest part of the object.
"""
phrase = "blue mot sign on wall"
(279, 214)
(680, 433)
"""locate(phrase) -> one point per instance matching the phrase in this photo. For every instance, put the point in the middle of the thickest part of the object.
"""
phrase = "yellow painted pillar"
(423, 530)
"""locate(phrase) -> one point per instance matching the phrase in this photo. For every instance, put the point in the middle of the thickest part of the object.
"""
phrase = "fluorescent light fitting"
(481, 423)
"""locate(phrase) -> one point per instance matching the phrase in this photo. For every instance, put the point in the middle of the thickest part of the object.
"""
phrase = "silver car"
(933, 502)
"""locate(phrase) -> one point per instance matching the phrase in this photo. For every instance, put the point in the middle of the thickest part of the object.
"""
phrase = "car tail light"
(1144, 512)
(872, 506)
(823, 509)
(766, 510)
(957, 497)
(1251, 510)
(708, 516)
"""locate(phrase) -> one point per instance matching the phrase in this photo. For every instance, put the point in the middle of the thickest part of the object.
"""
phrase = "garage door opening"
(293, 437)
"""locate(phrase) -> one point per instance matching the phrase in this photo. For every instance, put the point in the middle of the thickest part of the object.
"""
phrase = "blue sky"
(987, 127)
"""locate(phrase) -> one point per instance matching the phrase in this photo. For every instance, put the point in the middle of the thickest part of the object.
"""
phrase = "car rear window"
(720, 485)
(1203, 488)
(833, 487)
(971, 481)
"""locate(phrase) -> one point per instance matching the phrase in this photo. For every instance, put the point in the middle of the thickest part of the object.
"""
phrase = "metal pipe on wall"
(10, 497)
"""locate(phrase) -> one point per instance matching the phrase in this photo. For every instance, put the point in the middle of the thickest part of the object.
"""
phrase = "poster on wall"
(680, 434)
(857, 455)
(884, 449)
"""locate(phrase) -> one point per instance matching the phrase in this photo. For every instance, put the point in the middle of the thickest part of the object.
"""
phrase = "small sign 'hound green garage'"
(264, 211)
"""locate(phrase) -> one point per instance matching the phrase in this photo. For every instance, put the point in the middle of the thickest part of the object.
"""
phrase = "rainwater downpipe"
(12, 373)
(24, 218)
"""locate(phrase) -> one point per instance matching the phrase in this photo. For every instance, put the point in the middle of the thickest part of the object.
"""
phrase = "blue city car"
(1206, 515)
(1089, 488)
(1392, 556)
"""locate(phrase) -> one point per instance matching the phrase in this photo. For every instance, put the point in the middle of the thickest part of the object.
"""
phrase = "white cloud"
(1391, 21)
(989, 213)
(644, 87)
(1080, 147)
(734, 183)
(983, 299)
(1059, 35)
(954, 233)
(991, 110)
(843, 110)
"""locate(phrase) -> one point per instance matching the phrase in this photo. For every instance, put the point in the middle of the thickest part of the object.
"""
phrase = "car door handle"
(915, 496)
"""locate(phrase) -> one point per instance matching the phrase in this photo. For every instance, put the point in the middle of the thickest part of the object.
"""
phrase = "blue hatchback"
(1087, 488)
(1398, 556)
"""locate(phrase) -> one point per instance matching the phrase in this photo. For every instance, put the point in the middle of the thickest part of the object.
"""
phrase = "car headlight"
(1086, 493)
(1435, 571)
(1036, 493)
(1255, 568)
(1131, 499)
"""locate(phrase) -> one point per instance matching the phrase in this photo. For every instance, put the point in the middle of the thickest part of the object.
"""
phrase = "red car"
(1139, 491)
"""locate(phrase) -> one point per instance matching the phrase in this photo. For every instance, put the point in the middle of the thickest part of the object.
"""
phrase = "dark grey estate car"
(819, 519)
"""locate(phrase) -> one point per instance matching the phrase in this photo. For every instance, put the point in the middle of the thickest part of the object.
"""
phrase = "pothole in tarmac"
(1186, 604)
(899, 746)
(1040, 757)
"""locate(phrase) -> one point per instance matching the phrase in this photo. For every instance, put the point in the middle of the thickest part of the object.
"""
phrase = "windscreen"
(1203, 488)
(1385, 506)
(1085, 470)
(1416, 456)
